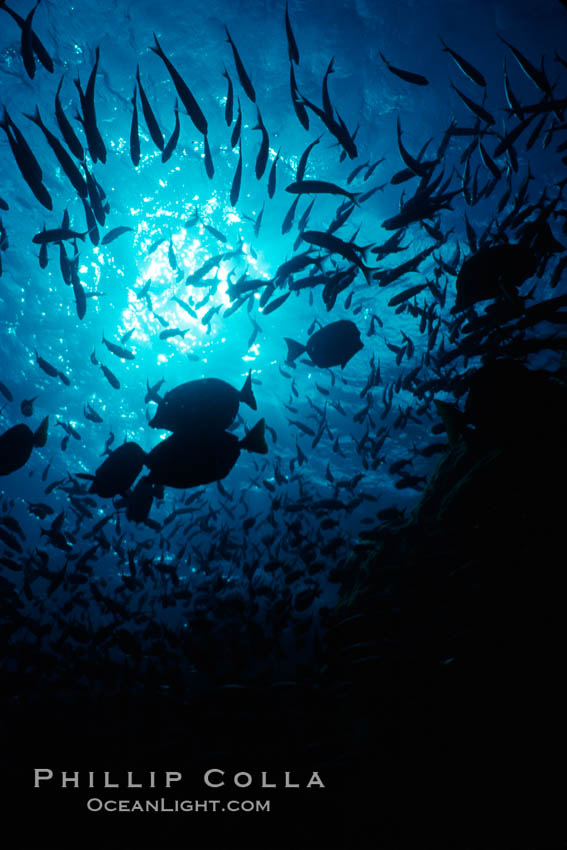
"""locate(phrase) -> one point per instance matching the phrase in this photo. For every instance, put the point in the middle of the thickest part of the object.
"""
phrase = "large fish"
(206, 405)
(17, 444)
(183, 461)
(332, 345)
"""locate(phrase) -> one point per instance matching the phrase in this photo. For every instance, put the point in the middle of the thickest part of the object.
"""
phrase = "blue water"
(37, 310)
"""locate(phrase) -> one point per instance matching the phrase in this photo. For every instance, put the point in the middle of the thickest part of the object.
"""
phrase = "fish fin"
(246, 394)
(40, 436)
(294, 349)
(255, 441)
(157, 49)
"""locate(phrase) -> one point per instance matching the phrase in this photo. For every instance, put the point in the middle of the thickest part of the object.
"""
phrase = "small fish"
(209, 167)
(91, 414)
(174, 138)
(407, 76)
(537, 77)
(241, 71)
(237, 179)
(123, 353)
(26, 407)
(274, 305)
(185, 306)
(262, 158)
(185, 94)
(236, 130)
(301, 187)
(468, 70)
(6, 392)
(114, 234)
(292, 48)
(214, 232)
(46, 367)
(65, 127)
(65, 161)
(150, 118)
(474, 107)
(229, 105)
(110, 377)
(134, 132)
(171, 332)
(290, 215)
(297, 100)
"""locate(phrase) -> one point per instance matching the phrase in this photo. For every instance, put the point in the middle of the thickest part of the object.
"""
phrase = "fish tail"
(36, 117)
(40, 436)
(255, 440)
(294, 349)
(246, 394)
(157, 49)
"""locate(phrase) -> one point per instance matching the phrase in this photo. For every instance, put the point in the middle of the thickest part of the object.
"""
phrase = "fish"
(237, 179)
(332, 345)
(407, 76)
(289, 216)
(91, 414)
(209, 167)
(185, 306)
(6, 392)
(183, 462)
(240, 69)
(171, 332)
(204, 405)
(118, 472)
(80, 298)
(46, 367)
(118, 350)
(65, 127)
(538, 77)
(236, 130)
(468, 70)
(65, 161)
(272, 177)
(134, 132)
(302, 164)
(58, 234)
(262, 157)
(301, 187)
(27, 43)
(114, 234)
(292, 49)
(332, 243)
(474, 107)
(95, 143)
(229, 105)
(297, 101)
(26, 161)
(174, 138)
(422, 169)
(36, 44)
(17, 444)
(184, 92)
(275, 304)
(149, 116)
(110, 377)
